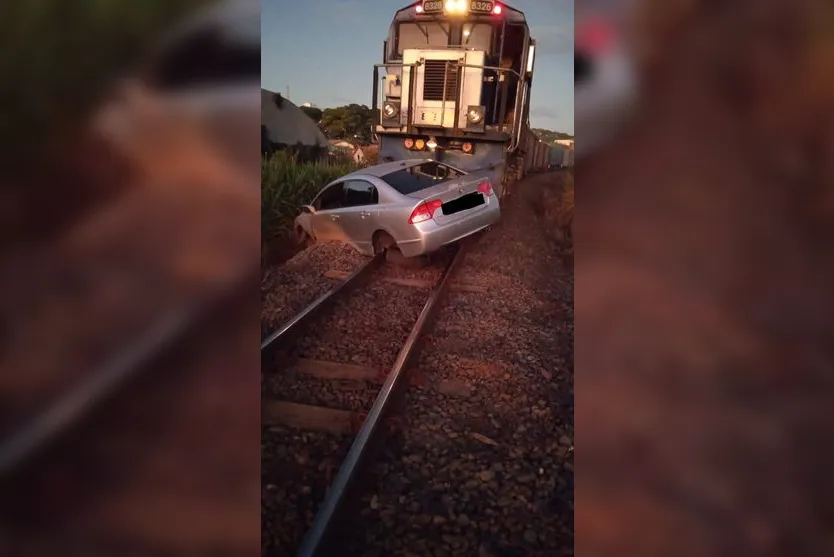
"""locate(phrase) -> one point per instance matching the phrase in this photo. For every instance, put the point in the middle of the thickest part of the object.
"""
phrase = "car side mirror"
(309, 209)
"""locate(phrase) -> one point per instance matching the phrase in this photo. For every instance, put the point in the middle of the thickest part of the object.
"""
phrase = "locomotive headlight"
(389, 109)
(455, 6)
(475, 114)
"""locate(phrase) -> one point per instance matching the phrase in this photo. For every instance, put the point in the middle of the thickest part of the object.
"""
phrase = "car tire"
(394, 256)
(384, 243)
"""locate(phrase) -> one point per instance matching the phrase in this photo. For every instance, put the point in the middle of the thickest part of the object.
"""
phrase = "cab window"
(329, 199)
(422, 35)
(477, 36)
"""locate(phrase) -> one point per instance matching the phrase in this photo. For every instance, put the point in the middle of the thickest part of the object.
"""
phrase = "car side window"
(330, 198)
(358, 193)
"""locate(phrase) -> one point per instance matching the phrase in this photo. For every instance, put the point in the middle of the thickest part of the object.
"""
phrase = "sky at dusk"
(324, 50)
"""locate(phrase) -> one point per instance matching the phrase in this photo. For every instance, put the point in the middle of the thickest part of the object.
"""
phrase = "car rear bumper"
(432, 236)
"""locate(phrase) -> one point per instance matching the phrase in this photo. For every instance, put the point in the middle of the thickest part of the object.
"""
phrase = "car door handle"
(334, 217)
(364, 214)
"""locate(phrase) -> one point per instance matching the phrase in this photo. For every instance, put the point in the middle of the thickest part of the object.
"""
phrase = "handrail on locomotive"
(455, 130)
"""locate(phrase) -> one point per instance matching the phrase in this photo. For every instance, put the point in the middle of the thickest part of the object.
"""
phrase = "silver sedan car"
(404, 208)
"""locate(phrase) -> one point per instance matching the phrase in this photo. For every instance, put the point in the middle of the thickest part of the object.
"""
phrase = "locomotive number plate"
(481, 6)
(432, 6)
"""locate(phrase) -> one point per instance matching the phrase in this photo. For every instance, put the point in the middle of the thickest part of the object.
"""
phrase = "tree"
(549, 136)
(350, 122)
(314, 113)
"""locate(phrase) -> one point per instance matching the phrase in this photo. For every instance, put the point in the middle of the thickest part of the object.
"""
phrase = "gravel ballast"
(286, 289)
(483, 465)
(296, 468)
(365, 328)
(483, 462)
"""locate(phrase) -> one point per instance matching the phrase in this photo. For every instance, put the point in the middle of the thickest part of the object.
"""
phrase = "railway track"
(330, 440)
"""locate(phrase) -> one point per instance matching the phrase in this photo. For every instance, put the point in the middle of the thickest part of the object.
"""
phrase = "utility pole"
(288, 93)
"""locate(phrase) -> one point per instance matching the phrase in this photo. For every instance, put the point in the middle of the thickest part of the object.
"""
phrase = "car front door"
(359, 213)
(325, 221)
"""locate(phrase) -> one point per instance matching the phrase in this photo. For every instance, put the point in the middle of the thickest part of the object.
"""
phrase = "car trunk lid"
(459, 197)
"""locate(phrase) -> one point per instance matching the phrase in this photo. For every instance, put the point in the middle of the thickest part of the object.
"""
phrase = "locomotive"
(454, 85)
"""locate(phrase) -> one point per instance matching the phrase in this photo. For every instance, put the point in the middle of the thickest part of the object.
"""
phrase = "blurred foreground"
(134, 233)
(703, 300)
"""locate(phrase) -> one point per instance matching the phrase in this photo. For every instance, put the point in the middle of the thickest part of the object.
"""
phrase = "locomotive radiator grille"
(433, 81)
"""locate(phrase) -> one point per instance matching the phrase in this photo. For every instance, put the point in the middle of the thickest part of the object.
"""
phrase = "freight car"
(560, 156)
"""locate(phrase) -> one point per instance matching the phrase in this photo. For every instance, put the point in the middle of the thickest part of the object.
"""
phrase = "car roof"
(380, 170)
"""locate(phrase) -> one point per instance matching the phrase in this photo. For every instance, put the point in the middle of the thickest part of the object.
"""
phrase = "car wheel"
(394, 256)
(384, 243)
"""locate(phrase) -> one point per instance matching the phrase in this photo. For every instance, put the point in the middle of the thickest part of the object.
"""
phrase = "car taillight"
(485, 188)
(424, 211)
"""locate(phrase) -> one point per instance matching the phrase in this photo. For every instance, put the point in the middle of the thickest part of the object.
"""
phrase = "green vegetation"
(286, 185)
(350, 122)
(549, 136)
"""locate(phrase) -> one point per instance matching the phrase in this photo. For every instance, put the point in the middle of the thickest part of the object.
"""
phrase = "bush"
(286, 185)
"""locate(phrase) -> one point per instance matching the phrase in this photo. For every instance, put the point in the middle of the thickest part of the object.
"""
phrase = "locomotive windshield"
(478, 36)
(440, 34)
(422, 35)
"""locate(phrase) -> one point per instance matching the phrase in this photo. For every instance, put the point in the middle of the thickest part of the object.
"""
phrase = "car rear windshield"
(420, 177)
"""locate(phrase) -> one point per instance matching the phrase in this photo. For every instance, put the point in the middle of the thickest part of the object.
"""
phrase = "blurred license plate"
(468, 201)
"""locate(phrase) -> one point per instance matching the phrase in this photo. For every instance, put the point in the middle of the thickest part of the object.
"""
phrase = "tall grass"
(286, 185)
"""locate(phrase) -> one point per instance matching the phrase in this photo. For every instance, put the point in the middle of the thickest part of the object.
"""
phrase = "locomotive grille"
(433, 81)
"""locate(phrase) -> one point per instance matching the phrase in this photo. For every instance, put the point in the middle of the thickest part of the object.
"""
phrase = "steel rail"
(315, 307)
(314, 540)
